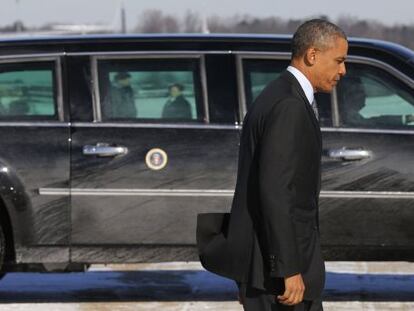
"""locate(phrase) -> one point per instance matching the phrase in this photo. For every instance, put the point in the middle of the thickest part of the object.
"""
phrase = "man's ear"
(310, 56)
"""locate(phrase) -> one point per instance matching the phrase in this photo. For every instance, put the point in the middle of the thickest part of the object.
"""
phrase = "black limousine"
(111, 145)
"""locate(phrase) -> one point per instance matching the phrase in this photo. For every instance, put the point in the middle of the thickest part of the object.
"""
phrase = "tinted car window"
(27, 91)
(369, 97)
(258, 73)
(150, 89)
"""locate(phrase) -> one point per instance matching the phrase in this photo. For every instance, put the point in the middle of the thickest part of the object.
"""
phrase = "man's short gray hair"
(318, 33)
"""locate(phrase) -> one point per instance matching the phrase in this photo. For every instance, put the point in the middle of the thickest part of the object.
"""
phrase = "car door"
(367, 168)
(367, 204)
(141, 173)
(34, 139)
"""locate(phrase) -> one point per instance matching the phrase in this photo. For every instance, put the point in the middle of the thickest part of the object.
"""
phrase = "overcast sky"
(39, 12)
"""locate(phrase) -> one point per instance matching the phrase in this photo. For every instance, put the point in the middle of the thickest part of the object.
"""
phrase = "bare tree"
(17, 26)
(192, 22)
(155, 21)
(218, 24)
(150, 21)
(170, 24)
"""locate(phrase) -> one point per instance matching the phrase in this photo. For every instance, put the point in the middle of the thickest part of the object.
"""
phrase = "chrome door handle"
(104, 150)
(347, 154)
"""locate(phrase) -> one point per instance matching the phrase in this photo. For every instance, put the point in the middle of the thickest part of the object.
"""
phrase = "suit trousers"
(254, 299)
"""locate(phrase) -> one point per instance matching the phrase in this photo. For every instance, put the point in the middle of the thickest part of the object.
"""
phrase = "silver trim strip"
(184, 126)
(335, 108)
(54, 191)
(214, 193)
(35, 124)
(96, 99)
(240, 88)
(264, 55)
(146, 55)
(59, 89)
(203, 74)
(174, 53)
(29, 57)
(138, 192)
(200, 126)
(368, 131)
(367, 194)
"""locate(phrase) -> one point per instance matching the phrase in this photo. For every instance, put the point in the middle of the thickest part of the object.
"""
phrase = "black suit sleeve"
(389, 121)
(280, 157)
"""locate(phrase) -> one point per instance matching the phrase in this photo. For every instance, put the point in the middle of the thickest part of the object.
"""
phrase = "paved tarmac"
(179, 286)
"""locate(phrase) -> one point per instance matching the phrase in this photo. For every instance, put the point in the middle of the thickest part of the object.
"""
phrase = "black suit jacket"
(179, 108)
(120, 103)
(272, 230)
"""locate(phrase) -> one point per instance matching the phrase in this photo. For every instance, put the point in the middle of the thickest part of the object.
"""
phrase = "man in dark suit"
(176, 107)
(120, 103)
(270, 243)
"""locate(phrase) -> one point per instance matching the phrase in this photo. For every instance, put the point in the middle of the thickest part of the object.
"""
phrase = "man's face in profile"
(124, 82)
(174, 91)
(329, 65)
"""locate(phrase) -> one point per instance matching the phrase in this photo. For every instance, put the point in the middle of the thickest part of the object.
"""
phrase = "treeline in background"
(155, 21)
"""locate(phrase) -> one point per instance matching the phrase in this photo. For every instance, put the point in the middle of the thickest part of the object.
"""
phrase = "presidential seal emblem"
(156, 159)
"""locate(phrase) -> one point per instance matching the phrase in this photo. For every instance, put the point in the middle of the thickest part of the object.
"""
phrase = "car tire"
(2, 251)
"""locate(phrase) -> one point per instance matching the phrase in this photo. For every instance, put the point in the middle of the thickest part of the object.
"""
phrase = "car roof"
(56, 39)
(137, 36)
(395, 48)
(393, 53)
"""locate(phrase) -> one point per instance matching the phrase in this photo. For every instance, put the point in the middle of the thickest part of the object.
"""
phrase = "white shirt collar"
(304, 83)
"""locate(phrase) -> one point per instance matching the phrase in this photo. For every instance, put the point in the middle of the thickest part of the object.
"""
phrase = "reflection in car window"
(163, 90)
(27, 91)
(369, 97)
(323, 101)
(258, 73)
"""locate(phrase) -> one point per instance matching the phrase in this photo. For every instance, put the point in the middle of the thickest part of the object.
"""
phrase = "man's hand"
(294, 289)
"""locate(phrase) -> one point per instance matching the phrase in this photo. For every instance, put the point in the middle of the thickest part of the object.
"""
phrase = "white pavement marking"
(367, 306)
(361, 267)
(375, 267)
(194, 306)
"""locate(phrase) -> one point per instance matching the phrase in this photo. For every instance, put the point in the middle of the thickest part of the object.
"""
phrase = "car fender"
(17, 204)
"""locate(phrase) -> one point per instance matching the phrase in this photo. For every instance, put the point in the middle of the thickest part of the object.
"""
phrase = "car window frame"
(240, 56)
(96, 101)
(241, 83)
(363, 60)
(56, 58)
